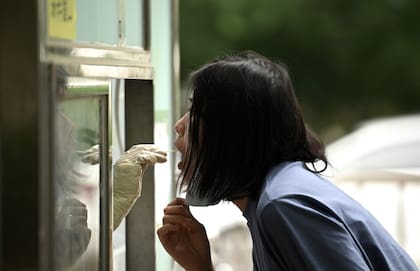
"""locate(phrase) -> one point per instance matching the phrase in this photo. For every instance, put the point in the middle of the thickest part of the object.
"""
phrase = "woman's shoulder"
(290, 178)
(292, 181)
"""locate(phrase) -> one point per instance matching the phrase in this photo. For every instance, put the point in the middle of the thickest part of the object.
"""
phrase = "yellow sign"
(62, 19)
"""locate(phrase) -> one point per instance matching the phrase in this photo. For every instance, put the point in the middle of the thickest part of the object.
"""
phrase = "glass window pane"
(134, 22)
(107, 22)
(97, 21)
(77, 184)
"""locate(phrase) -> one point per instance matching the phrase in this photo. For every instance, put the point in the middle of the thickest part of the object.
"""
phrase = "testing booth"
(77, 75)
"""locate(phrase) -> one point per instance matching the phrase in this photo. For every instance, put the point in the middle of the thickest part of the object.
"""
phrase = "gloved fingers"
(93, 149)
(128, 174)
(156, 150)
(143, 154)
(148, 147)
(149, 157)
(90, 156)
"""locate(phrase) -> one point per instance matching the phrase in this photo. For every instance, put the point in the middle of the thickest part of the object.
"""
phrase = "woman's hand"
(184, 238)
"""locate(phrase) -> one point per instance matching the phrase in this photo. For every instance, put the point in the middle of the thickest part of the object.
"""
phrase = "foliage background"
(349, 60)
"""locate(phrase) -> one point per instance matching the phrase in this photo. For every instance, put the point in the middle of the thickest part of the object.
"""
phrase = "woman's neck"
(241, 203)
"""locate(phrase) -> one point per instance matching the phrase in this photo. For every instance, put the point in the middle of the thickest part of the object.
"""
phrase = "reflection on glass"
(104, 22)
(134, 21)
(77, 184)
(97, 21)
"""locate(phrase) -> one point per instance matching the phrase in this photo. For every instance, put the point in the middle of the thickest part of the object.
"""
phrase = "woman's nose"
(180, 126)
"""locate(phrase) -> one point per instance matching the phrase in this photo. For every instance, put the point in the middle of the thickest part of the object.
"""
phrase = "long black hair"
(244, 119)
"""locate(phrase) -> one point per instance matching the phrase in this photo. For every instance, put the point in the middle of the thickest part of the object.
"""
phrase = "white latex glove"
(91, 155)
(128, 174)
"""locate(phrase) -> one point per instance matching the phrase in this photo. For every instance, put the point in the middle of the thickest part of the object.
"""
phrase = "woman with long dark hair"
(244, 140)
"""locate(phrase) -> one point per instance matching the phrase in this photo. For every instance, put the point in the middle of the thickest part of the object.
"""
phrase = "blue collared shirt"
(302, 221)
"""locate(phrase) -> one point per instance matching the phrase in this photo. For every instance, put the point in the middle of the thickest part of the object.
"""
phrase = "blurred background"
(350, 60)
(355, 66)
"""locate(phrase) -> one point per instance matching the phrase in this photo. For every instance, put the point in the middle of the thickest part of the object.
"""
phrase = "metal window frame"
(105, 62)
(48, 102)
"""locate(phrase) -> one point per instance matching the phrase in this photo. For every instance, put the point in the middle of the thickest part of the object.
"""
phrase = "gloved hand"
(91, 155)
(72, 232)
(128, 174)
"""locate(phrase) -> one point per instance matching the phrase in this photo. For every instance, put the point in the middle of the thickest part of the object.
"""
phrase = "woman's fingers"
(177, 201)
(178, 206)
(175, 213)
(168, 228)
(174, 209)
(180, 210)
(178, 213)
(174, 219)
(183, 237)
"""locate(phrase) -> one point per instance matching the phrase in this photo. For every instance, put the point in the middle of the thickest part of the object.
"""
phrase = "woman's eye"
(190, 101)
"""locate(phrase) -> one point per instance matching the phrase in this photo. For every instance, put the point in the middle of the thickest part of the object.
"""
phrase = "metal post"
(140, 230)
(105, 187)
